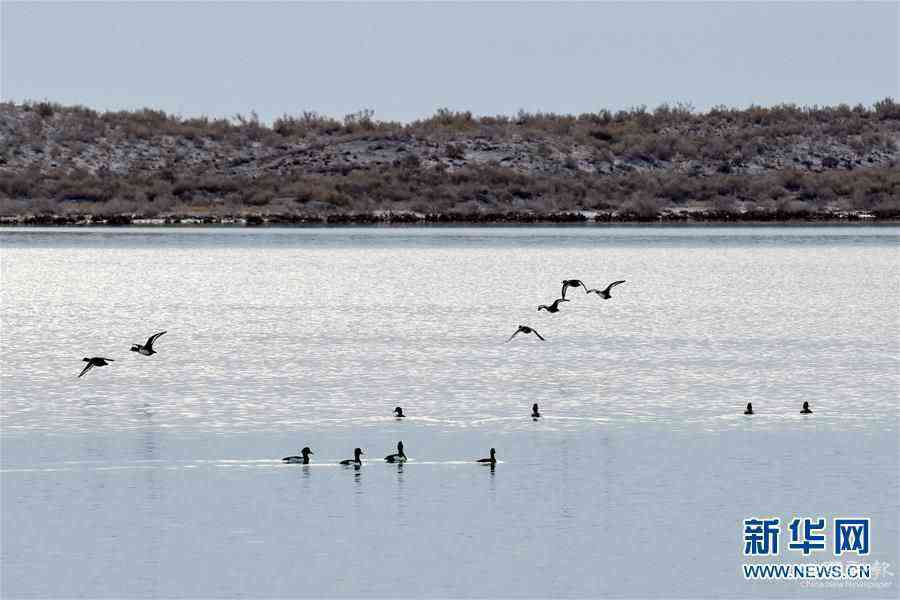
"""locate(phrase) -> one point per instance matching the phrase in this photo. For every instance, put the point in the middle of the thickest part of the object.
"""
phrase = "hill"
(71, 163)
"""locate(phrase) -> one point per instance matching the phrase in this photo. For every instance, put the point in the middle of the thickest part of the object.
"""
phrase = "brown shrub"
(455, 151)
(887, 109)
(642, 206)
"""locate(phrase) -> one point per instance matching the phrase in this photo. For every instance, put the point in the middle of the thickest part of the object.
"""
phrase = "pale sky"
(405, 60)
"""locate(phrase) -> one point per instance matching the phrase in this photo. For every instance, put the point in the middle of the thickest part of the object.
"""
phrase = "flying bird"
(566, 284)
(147, 348)
(96, 361)
(553, 308)
(605, 293)
(526, 329)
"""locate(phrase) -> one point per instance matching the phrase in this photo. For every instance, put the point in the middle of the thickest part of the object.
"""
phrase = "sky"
(406, 60)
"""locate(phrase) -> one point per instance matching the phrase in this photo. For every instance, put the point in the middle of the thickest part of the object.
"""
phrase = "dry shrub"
(723, 137)
(726, 204)
(887, 109)
(10, 207)
(259, 198)
(455, 151)
(642, 206)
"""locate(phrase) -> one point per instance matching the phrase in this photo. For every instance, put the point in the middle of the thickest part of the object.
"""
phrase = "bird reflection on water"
(305, 472)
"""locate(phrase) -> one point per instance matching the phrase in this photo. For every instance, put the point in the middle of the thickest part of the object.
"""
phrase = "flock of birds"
(554, 306)
(400, 455)
(98, 361)
(804, 410)
(146, 349)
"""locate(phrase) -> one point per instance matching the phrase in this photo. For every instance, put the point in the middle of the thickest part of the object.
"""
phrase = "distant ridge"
(64, 165)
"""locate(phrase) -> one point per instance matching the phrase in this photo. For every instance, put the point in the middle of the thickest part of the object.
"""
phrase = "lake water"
(160, 476)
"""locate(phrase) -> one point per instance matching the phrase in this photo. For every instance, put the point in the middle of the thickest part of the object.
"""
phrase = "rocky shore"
(74, 166)
(510, 218)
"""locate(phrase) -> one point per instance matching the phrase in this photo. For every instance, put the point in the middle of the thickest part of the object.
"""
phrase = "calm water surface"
(159, 476)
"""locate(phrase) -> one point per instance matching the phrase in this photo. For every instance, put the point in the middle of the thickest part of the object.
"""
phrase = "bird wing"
(613, 284)
(513, 335)
(565, 286)
(86, 369)
(542, 307)
(537, 334)
(153, 338)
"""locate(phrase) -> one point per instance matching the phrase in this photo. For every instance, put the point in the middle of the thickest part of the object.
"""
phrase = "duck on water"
(489, 461)
(355, 460)
(303, 459)
(399, 457)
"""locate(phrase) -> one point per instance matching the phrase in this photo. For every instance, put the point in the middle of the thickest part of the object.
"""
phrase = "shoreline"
(74, 166)
(419, 219)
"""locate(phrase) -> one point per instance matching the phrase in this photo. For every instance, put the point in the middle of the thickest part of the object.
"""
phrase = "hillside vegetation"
(70, 163)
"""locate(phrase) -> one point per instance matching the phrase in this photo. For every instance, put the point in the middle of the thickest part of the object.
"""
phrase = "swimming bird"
(567, 283)
(553, 308)
(398, 412)
(304, 459)
(147, 348)
(489, 461)
(96, 361)
(399, 457)
(805, 410)
(535, 414)
(355, 460)
(749, 410)
(605, 293)
(525, 329)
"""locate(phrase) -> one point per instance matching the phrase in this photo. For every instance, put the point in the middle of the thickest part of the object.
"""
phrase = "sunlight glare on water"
(167, 467)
